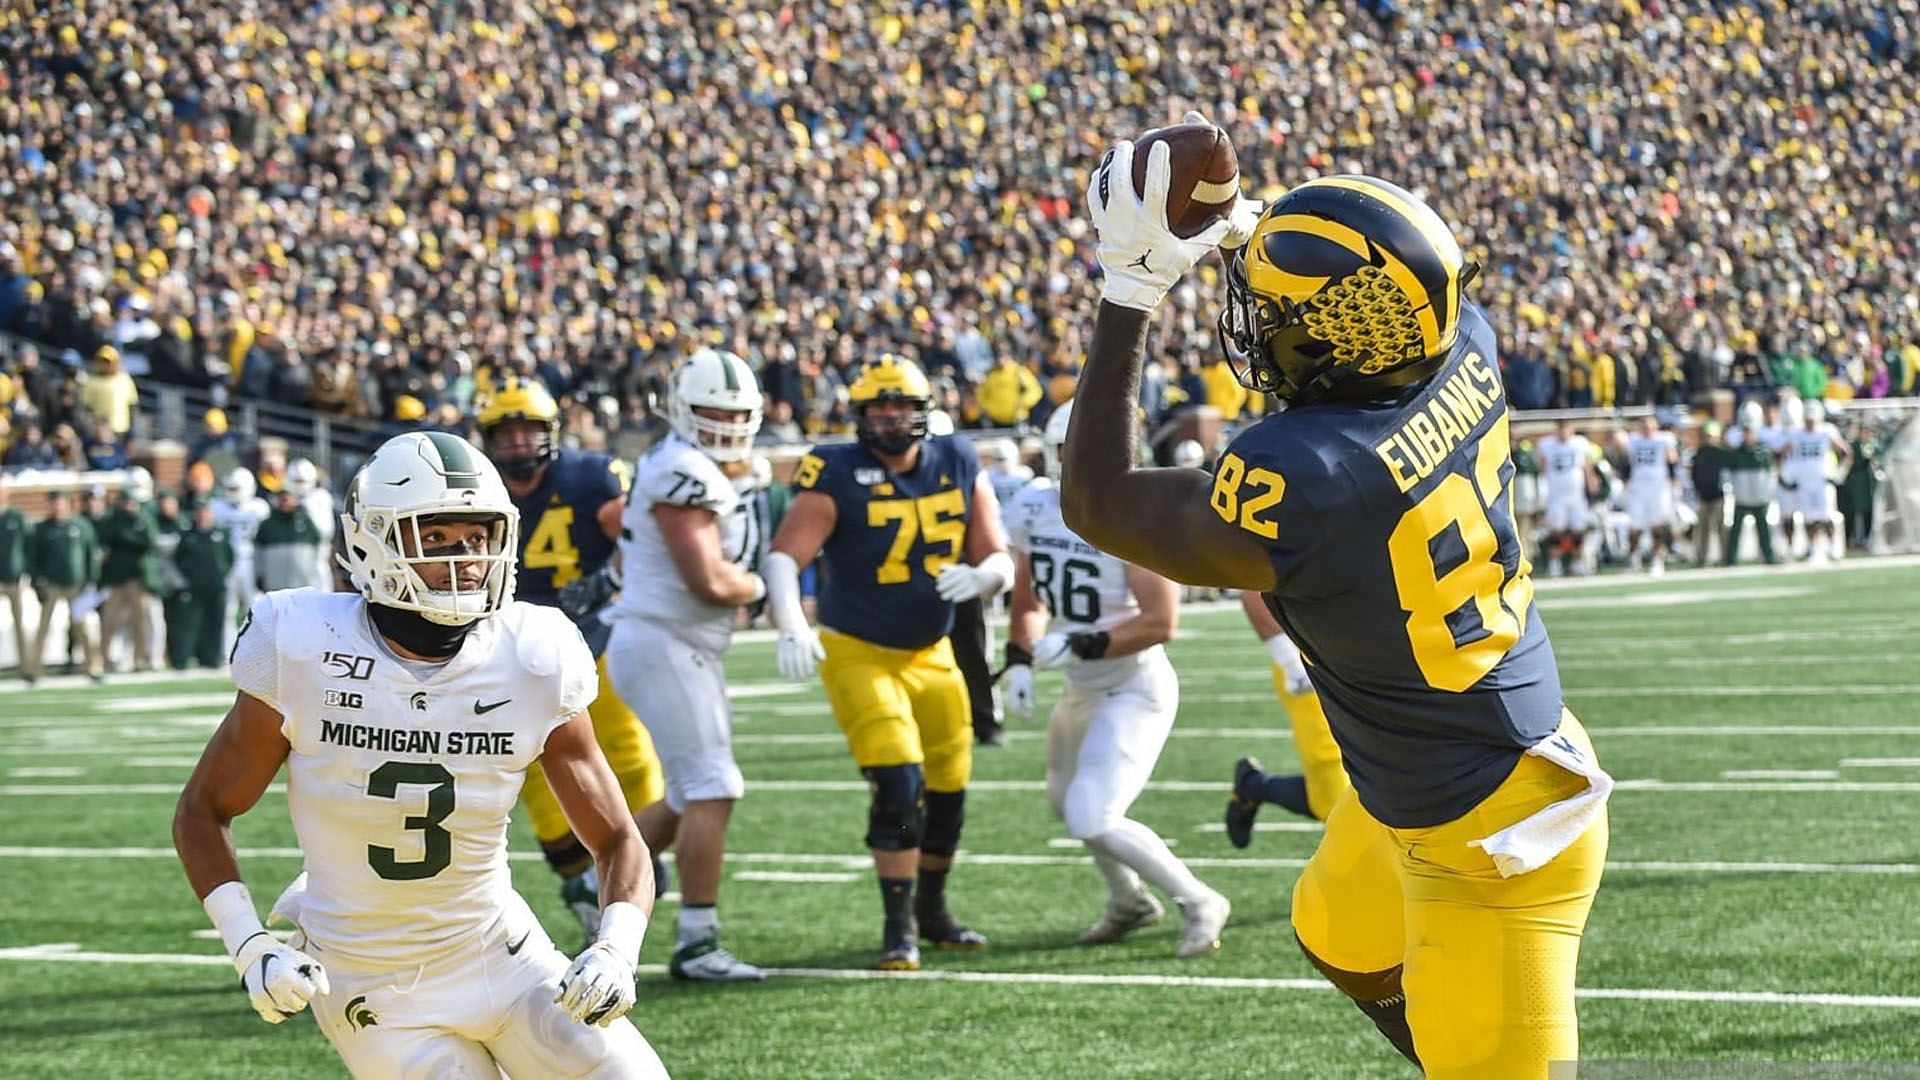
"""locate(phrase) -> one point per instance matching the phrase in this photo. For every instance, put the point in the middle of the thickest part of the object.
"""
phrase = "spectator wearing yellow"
(1008, 393)
(1224, 391)
(108, 392)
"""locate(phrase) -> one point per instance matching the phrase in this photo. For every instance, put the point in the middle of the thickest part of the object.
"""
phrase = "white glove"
(1052, 651)
(279, 979)
(799, 651)
(1141, 256)
(1286, 657)
(960, 583)
(1020, 692)
(598, 988)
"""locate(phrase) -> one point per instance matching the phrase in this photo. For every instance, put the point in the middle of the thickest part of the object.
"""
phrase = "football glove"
(960, 582)
(279, 979)
(587, 594)
(799, 651)
(1139, 254)
(598, 988)
(1019, 675)
(1055, 650)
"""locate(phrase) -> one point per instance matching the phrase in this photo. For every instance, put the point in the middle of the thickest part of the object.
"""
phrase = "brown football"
(1206, 174)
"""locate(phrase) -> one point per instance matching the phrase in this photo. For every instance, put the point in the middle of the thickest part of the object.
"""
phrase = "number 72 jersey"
(1390, 526)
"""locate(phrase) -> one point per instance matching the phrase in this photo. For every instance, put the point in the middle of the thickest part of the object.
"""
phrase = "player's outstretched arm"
(809, 521)
(234, 771)
(1162, 519)
(598, 988)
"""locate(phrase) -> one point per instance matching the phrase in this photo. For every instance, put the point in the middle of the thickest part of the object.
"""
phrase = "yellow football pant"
(1489, 961)
(901, 707)
(1313, 741)
(629, 750)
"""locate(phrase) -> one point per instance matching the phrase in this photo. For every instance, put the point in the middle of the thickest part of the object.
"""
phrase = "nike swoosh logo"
(402, 482)
(514, 949)
(482, 710)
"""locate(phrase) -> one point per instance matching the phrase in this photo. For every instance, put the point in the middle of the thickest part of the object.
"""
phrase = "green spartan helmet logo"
(358, 1015)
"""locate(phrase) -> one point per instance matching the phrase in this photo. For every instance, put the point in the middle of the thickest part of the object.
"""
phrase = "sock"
(932, 893)
(1123, 885)
(698, 922)
(1142, 849)
(896, 895)
(1287, 791)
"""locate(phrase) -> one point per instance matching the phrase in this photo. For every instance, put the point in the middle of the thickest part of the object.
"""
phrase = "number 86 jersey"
(1390, 526)
(1082, 587)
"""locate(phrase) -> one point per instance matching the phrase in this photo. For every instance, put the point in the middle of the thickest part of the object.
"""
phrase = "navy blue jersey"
(893, 535)
(1390, 525)
(560, 535)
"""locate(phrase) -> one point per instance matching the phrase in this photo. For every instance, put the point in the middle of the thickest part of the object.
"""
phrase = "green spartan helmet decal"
(358, 1015)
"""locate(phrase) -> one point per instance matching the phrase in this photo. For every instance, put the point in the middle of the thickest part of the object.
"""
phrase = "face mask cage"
(400, 581)
(893, 442)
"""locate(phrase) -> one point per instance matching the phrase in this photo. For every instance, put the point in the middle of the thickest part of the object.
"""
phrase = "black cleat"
(939, 928)
(1245, 802)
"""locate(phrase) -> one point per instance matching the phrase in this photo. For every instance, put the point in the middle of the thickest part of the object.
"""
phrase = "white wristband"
(230, 906)
(782, 576)
(623, 926)
(1284, 652)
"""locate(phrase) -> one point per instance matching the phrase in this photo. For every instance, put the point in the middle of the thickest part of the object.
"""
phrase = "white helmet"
(1816, 413)
(303, 477)
(420, 475)
(239, 485)
(1189, 454)
(711, 379)
(139, 484)
(1793, 412)
(1055, 437)
(1752, 415)
(939, 423)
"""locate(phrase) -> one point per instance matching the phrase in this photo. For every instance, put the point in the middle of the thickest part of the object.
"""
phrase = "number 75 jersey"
(1390, 526)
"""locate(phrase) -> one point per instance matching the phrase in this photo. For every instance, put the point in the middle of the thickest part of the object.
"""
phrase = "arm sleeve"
(256, 657)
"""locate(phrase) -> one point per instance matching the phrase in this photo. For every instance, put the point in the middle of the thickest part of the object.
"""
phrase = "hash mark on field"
(1880, 763)
(1780, 774)
(48, 772)
(1068, 843)
(71, 953)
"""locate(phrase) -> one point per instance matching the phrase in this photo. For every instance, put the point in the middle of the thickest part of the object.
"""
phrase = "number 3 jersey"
(1390, 526)
(677, 473)
(401, 774)
(1082, 587)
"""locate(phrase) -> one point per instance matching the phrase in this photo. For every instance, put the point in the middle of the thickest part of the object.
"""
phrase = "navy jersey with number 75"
(1390, 526)
(893, 533)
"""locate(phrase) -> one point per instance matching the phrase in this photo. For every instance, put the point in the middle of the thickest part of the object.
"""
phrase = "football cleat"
(1244, 804)
(940, 928)
(581, 894)
(706, 961)
(903, 955)
(1204, 918)
(1116, 923)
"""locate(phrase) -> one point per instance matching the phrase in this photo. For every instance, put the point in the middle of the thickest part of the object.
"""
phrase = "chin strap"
(417, 634)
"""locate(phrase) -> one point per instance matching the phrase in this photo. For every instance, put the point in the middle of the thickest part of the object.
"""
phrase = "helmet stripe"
(726, 367)
(456, 461)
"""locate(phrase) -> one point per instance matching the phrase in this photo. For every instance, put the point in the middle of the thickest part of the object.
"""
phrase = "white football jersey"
(677, 473)
(1808, 452)
(1565, 465)
(1083, 587)
(1648, 456)
(1008, 483)
(240, 522)
(402, 775)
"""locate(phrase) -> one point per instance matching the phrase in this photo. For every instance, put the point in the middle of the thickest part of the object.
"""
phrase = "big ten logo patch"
(342, 699)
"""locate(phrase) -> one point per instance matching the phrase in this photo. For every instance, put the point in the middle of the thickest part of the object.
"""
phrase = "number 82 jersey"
(1082, 587)
(1390, 526)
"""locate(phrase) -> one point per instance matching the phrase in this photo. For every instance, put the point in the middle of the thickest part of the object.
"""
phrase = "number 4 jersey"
(402, 774)
(1082, 587)
(1390, 525)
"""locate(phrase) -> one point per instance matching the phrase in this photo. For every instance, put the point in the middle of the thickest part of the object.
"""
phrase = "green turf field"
(1761, 904)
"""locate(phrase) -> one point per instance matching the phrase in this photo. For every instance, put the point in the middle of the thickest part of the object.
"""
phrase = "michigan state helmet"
(714, 379)
(521, 401)
(411, 478)
(891, 378)
(1055, 437)
(1350, 288)
(238, 486)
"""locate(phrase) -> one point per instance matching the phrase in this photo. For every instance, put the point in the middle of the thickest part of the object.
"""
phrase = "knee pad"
(897, 818)
(946, 812)
(1377, 993)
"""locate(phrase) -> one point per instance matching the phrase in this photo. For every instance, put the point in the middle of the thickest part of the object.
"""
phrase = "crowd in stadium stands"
(376, 210)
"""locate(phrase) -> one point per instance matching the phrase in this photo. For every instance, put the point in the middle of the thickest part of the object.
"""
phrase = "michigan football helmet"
(423, 475)
(891, 378)
(1349, 288)
(714, 379)
(521, 401)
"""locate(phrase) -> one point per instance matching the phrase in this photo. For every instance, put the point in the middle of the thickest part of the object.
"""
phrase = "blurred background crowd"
(374, 210)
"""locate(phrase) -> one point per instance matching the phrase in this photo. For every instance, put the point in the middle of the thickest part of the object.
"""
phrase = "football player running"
(1451, 888)
(406, 714)
(1105, 624)
(570, 503)
(908, 527)
(687, 537)
(1322, 779)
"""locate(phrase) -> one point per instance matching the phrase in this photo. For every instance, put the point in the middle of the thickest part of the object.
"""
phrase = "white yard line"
(1880, 763)
(71, 953)
(1780, 774)
(800, 877)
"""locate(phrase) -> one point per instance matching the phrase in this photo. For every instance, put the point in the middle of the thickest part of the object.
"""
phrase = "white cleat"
(1116, 923)
(1204, 918)
(706, 961)
(1657, 567)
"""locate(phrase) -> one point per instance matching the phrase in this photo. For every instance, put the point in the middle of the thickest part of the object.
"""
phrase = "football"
(1206, 174)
